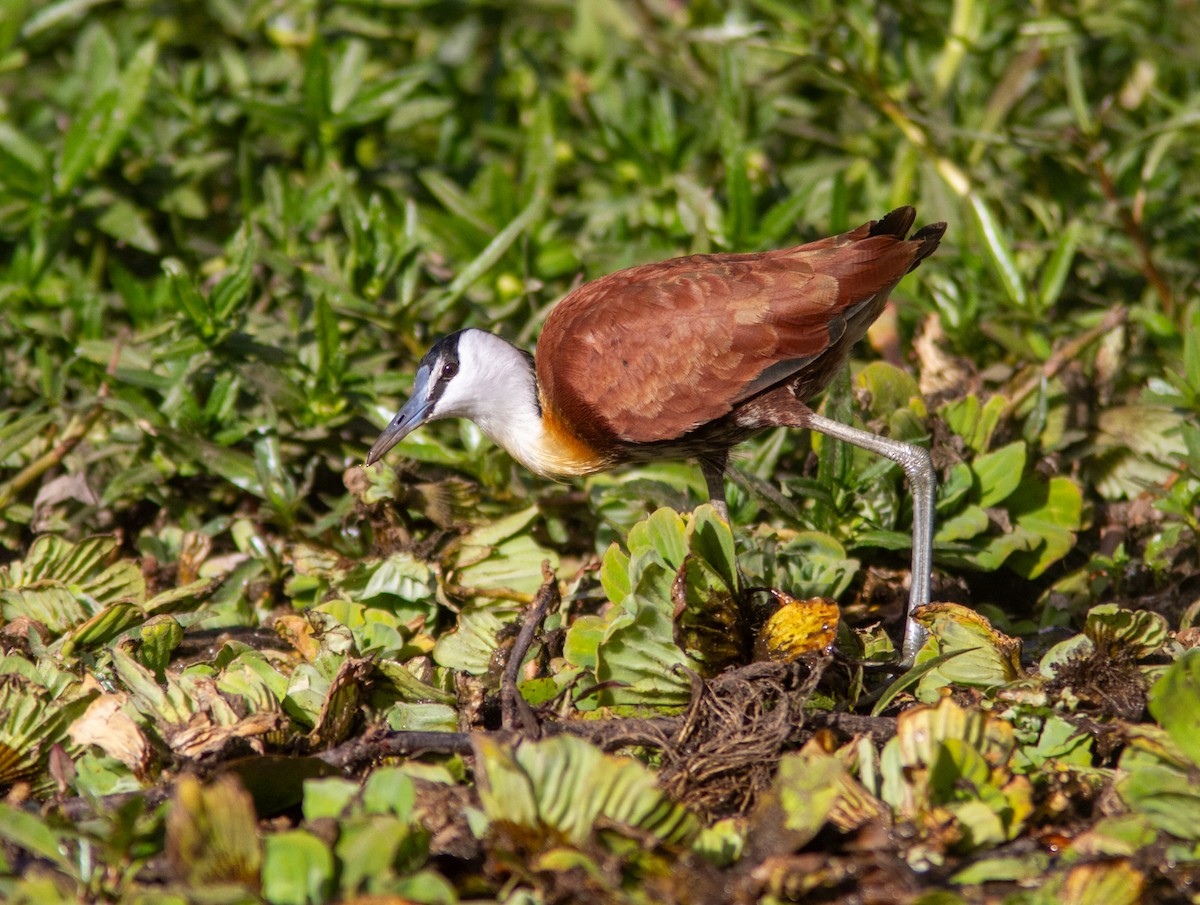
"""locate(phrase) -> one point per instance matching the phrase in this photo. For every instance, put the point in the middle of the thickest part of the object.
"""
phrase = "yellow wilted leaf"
(799, 627)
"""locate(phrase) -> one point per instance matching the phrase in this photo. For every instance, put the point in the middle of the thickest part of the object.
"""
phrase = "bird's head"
(469, 374)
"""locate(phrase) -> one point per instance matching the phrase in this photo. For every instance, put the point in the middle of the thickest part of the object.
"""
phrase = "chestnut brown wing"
(653, 352)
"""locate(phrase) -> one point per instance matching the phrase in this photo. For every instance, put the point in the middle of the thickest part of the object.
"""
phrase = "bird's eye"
(449, 369)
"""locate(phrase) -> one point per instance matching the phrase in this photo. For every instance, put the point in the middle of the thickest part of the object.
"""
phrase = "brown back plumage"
(651, 353)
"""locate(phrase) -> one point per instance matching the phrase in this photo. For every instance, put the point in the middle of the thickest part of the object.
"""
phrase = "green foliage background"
(228, 231)
(264, 212)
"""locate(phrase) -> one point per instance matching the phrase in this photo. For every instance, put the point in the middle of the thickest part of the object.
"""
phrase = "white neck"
(497, 389)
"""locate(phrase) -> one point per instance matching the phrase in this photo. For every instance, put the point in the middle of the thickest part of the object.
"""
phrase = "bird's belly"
(706, 440)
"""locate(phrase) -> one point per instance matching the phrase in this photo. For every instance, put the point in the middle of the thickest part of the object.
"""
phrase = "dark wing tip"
(897, 223)
(928, 238)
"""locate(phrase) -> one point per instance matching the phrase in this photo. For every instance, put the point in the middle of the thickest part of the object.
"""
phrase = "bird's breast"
(558, 449)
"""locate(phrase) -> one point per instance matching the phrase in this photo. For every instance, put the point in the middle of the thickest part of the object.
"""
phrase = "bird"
(686, 358)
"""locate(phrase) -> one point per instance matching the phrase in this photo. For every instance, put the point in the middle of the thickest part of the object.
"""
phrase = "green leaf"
(232, 291)
(316, 86)
(1060, 744)
(1002, 869)
(187, 299)
(232, 465)
(33, 717)
(664, 532)
(1191, 352)
(818, 566)
(889, 387)
(28, 831)
(372, 850)
(84, 140)
(1052, 510)
(974, 421)
(328, 797)
(160, 636)
(1175, 703)
(450, 196)
(807, 786)
(330, 362)
(64, 585)
(494, 251)
(168, 705)
(990, 552)
(422, 718)
(637, 659)
(1058, 267)
(583, 641)
(131, 97)
(183, 598)
(565, 784)
(389, 790)
(538, 163)
(480, 541)
(57, 558)
(398, 682)
(22, 161)
(347, 75)
(999, 251)
(882, 539)
(298, 869)
(104, 626)
(54, 607)
(710, 538)
(989, 658)
(653, 579)
(614, 574)
(514, 565)
(1166, 797)
(954, 489)
(912, 677)
(999, 473)
(471, 646)
(971, 522)
(1129, 633)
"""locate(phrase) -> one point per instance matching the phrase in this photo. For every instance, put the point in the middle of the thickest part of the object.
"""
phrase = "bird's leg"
(712, 466)
(781, 408)
(922, 483)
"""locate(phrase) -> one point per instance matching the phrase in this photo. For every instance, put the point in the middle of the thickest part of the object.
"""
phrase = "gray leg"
(713, 469)
(922, 482)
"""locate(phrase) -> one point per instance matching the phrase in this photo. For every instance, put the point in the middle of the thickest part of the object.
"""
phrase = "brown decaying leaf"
(193, 552)
(441, 809)
(64, 487)
(202, 738)
(212, 833)
(1111, 882)
(707, 619)
(868, 878)
(941, 374)
(106, 725)
(340, 708)
(299, 632)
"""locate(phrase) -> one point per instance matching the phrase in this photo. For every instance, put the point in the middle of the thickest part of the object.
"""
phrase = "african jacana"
(687, 357)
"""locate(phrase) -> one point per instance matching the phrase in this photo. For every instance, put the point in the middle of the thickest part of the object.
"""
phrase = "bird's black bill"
(408, 419)
(389, 438)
